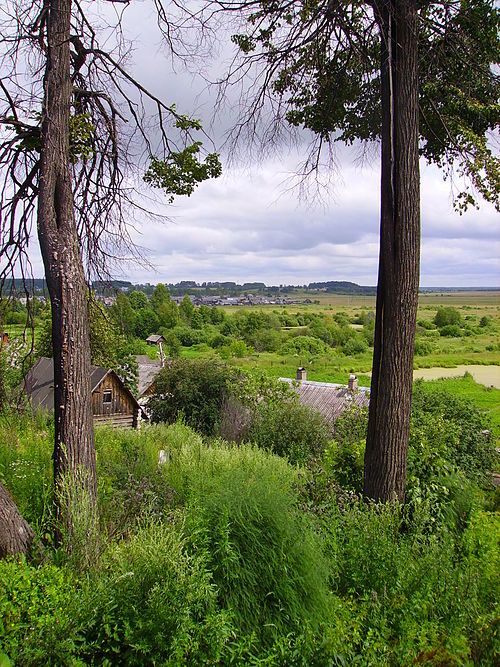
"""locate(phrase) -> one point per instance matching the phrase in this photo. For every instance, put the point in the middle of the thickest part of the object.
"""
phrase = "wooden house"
(112, 402)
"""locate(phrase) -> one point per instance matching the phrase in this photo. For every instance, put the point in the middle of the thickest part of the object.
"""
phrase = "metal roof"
(330, 400)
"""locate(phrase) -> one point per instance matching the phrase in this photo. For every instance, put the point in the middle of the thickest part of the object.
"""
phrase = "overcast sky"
(249, 226)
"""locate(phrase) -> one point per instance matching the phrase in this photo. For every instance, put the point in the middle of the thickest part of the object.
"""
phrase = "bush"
(426, 324)
(423, 347)
(407, 597)
(193, 388)
(446, 316)
(218, 340)
(453, 427)
(238, 348)
(265, 340)
(189, 337)
(344, 457)
(172, 343)
(303, 345)
(355, 345)
(450, 331)
(36, 623)
(289, 429)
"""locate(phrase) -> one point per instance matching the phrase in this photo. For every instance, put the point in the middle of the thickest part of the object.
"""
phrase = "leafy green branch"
(181, 171)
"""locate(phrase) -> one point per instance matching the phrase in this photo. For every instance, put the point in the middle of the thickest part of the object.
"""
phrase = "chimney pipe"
(352, 385)
(301, 373)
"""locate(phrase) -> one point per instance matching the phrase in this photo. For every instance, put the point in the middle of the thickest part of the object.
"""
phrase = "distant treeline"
(38, 286)
(343, 287)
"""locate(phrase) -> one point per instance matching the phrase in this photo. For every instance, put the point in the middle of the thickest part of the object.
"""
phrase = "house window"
(106, 396)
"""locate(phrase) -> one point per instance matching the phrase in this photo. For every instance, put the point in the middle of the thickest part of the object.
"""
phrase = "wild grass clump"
(265, 558)
(152, 602)
(131, 485)
(26, 445)
(242, 518)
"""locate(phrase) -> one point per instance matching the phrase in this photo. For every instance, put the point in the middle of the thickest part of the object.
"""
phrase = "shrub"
(172, 343)
(355, 345)
(303, 345)
(407, 597)
(265, 340)
(239, 348)
(329, 332)
(454, 427)
(447, 316)
(289, 429)
(450, 331)
(189, 337)
(36, 623)
(423, 347)
(426, 324)
(218, 340)
(344, 456)
(194, 388)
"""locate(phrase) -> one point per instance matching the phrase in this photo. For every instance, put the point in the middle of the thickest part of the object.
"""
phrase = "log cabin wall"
(112, 404)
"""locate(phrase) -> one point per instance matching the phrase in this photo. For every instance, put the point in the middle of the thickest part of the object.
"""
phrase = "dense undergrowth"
(228, 554)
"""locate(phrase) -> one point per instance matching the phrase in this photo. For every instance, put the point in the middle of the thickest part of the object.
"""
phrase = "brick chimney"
(301, 373)
(352, 385)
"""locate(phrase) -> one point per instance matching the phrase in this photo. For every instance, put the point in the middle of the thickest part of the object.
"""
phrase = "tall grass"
(214, 558)
(26, 444)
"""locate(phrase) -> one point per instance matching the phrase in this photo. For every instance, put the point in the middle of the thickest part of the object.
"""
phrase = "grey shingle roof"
(154, 339)
(330, 400)
(39, 383)
(147, 371)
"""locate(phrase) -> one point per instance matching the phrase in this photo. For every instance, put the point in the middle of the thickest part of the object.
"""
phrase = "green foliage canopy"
(323, 64)
(194, 389)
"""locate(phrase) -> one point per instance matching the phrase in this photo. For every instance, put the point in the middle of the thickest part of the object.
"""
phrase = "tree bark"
(399, 259)
(16, 535)
(74, 448)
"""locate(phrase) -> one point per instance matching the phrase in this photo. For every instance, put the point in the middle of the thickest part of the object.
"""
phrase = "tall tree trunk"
(16, 535)
(399, 260)
(74, 450)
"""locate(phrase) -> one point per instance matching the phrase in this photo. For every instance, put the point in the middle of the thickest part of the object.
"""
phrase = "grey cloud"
(248, 226)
